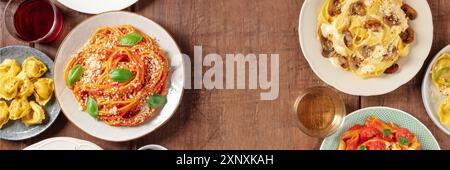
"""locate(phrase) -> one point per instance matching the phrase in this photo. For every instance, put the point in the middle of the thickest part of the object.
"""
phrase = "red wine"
(34, 20)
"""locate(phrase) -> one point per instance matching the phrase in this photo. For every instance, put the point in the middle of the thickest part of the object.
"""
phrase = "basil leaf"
(130, 39)
(156, 101)
(92, 107)
(386, 132)
(362, 148)
(403, 141)
(74, 75)
(121, 75)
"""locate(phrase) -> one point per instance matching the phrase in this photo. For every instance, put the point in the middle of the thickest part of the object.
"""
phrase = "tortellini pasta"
(33, 68)
(4, 113)
(9, 67)
(36, 115)
(19, 108)
(19, 84)
(26, 88)
(43, 90)
(9, 87)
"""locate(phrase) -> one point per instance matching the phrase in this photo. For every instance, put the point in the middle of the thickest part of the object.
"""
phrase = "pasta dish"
(24, 91)
(377, 135)
(440, 75)
(120, 76)
(366, 37)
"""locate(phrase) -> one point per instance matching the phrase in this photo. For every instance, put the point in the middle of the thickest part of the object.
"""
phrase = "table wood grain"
(238, 119)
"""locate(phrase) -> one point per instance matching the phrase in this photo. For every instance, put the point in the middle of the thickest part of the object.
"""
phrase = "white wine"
(319, 111)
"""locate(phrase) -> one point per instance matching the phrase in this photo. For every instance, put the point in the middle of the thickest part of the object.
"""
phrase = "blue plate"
(400, 118)
(16, 130)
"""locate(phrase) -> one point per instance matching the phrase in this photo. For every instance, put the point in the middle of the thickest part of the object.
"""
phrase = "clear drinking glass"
(319, 111)
(33, 21)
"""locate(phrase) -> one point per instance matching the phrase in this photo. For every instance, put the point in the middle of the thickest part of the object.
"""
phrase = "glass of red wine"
(33, 21)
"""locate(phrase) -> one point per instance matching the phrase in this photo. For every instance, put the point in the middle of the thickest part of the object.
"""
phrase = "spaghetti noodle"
(120, 103)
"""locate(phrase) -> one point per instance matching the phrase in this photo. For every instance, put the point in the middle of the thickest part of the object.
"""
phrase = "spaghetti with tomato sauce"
(119, 103)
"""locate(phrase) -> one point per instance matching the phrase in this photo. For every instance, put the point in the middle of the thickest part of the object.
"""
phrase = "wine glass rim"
(15, 35)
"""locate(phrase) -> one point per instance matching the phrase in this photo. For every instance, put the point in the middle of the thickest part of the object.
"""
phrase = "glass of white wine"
(319, 111)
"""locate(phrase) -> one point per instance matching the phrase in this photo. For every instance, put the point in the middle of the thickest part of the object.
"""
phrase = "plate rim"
(38, 145)
(425, 92)
(49, 123)
(91, 12)
(366, 93)
(392, 109)
(182, 83)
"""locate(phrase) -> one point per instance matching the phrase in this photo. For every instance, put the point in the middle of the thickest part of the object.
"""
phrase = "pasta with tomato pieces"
(377, 135)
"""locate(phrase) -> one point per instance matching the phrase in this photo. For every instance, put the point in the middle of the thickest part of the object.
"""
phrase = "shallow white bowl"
(97, 6)
(351, 84)
(431, 96)
(79, 36)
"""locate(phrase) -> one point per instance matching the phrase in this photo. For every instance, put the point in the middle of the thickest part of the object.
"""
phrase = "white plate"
(351, 84)
(97, 6)
(79, 36)
(431, 96)
(63, 143)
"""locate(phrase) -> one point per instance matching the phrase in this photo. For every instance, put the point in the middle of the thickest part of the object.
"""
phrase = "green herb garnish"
(92, 107)
(386, 132)
(403, 141)
(362, 148)
(74, 75)
(130, 39)
(156, 101)
(120, 75)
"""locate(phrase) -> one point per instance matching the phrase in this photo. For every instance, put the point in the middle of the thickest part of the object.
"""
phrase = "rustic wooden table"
(237, 119)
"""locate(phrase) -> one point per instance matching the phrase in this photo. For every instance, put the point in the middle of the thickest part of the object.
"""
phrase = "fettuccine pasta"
(366, 37)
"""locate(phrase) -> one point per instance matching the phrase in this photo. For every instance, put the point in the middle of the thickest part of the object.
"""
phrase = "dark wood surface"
(238, 119)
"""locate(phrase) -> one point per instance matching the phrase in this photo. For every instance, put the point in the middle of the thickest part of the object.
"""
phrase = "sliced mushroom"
(348, 38)
(327, 47)
(410, 12)
(393, 69)
(392, 50)
(374, 25)
(358, 8)
(365, 51)
(343, 61)
(407, 36)
(355, 63)
(334, 8)
(391, 20)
